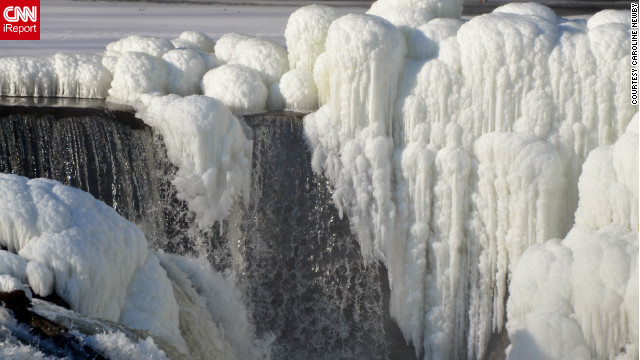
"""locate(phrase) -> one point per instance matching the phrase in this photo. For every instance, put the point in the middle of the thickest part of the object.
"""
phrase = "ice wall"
(579, 296)
(476, 157)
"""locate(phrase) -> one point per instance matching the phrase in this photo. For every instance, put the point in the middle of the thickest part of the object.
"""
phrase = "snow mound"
(100, 261)
(139, 43)
(424, 43)
(14, 265)
(195, 41)
(240, 88)
(208, 145)
(609, 17)
(579, 296)
(185, 68)
(10, 284)
(295, 91)
(306, 33)
(137, 73)
(269, 59)
(226, 45)
(408, 15)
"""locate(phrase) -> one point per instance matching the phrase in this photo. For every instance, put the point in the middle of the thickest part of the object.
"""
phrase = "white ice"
(451, 175)
(456, 148)
(209, 147)
(99, 263)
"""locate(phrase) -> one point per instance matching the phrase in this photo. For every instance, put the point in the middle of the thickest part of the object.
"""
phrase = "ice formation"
(60, 75)
(452, 163)
(295, 91)
(185, 71)
(226, 45)
(240, 88)
(408, 15)
(137, 73)
(208, 145)
(579, 296)
(194, 40)
(100, 261)
(306, 33)
(266, 57)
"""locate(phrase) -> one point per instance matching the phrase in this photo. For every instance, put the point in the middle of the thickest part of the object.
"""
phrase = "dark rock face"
(51, 338)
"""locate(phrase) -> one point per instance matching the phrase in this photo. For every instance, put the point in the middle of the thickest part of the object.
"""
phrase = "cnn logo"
(15, 14)
(20, 20)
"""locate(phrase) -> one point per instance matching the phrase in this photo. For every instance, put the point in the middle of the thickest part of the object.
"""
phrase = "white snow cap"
(140, 43)
(408, 15)
(424, 43)
(610, 17)
(226, 45)
(306, 33)
(40, 278)
(185, 68)
(14, 265)
(9, 284)
(100, 261)
(137, 73)
(265, 56)
(195, 41)
(295, 91)
(240, 88)
(208, 145)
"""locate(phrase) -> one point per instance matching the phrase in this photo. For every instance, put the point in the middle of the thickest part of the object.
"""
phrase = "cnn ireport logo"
(20, 20)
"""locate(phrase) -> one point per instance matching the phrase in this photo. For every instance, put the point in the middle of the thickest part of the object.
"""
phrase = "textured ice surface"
(100, 261)
(209, 147)
(61, 75)
(295, 91)
(476, 159)
(306, 33)
(408, 15)
(240, 88)
(579, 296)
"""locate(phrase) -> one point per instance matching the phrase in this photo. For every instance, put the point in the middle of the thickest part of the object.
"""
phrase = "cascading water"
(296, 260)
(106, 152)
(301, 266)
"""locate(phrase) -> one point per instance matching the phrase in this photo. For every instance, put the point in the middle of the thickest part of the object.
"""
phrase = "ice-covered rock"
(100, 262)
(295, 91)
(195, 41)
(137, 73)
(209, 147)
(306, 33)
(185, 69)
(240, 88)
